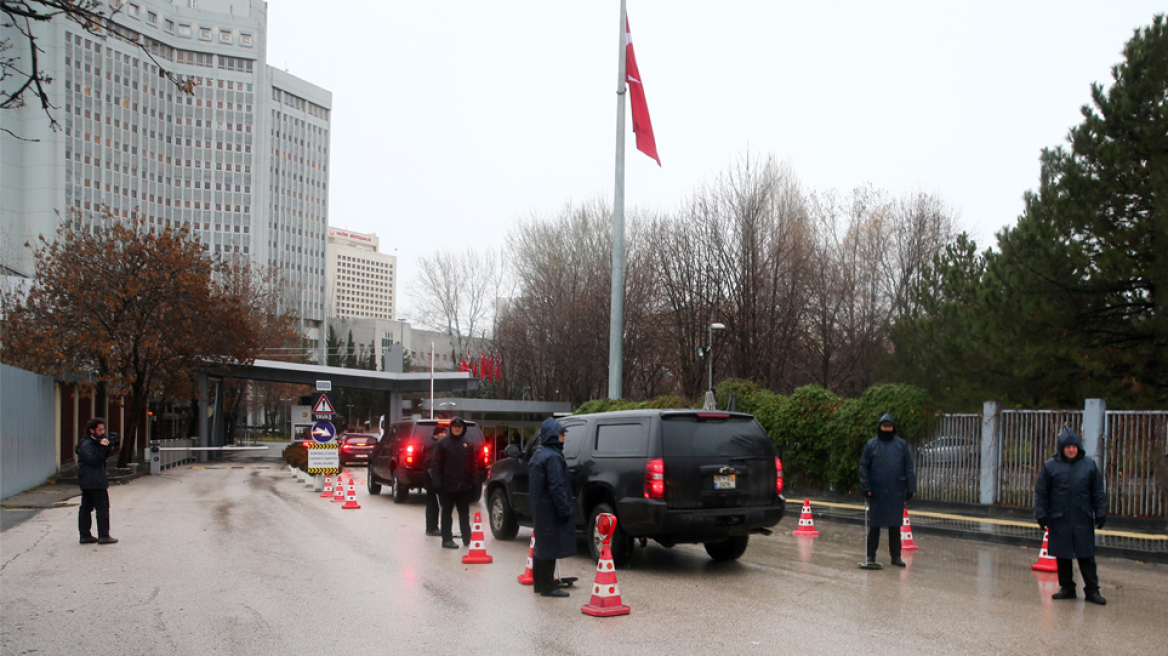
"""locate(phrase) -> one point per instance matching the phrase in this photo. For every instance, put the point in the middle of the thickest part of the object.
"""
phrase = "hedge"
(818, 435)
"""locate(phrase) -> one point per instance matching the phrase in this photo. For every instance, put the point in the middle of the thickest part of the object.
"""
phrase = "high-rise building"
(242, 162)
(362, 282)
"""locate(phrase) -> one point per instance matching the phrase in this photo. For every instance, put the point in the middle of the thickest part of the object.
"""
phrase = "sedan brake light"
(654, 478)
(778, 476)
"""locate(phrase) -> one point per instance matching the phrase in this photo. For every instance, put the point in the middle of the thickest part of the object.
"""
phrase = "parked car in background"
(399, 459)
(673, 476)
(355, 448)
(948, 450)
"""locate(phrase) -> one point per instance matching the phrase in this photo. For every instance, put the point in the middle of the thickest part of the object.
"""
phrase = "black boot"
(871, 563)
(896, 560)
(1094, 597)
(1064, 593)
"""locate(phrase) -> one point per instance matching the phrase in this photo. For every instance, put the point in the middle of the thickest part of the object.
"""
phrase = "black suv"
(399, 459)
(676, 476)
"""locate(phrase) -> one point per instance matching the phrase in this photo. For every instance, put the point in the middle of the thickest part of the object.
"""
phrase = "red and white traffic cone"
(1045, 562)
(351, 497)
(606, 599)
(328, 486)
(478, 552)
(528, 576)
(339, 490)
(906, 541)
(806, 524)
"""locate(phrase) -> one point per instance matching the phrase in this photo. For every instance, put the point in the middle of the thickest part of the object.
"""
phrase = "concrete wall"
(28, 438)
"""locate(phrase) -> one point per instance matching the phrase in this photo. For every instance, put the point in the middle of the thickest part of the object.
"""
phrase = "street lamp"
(708, 353)
(284, 417)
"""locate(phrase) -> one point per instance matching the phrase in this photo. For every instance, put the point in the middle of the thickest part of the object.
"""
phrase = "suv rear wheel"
(621, 544)
(503, 524)
(729, 549)
(401, 494)
(374, 488)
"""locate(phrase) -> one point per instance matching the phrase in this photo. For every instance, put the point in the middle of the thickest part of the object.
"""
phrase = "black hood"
(550, 431)
(1066, 438)
(886, 419)
(457, 421)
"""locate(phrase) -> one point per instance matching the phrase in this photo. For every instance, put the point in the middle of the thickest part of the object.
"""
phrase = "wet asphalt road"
(247, 561)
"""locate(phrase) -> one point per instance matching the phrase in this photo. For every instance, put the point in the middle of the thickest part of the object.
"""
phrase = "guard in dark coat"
(551, 508)
(887, 480)
(92, 451)
(1070, 502)
(453, 473)
(431, 492)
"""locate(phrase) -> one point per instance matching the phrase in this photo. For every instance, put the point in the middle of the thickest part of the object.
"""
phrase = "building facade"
(361, 281)
(241, 162)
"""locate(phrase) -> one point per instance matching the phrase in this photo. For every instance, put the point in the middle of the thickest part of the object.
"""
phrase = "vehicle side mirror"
(512, 451)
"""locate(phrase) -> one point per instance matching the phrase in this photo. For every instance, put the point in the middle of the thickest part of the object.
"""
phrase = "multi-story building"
(361, 281)
(241, 162)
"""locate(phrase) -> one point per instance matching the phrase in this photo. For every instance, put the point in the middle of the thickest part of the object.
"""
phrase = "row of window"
(187, 30)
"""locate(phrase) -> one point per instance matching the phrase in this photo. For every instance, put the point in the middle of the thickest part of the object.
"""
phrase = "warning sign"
(323, 459)
(323, 406)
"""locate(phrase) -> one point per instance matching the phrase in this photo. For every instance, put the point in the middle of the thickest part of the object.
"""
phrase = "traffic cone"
(477, 553)
(606, 599)
(806, 524)
(328, 486)
(351, 497)
(1045, 562)
(528, 577)
(906, 541)
(339, 491)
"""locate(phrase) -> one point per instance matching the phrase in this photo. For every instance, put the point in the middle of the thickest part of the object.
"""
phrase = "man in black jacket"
(92, 451)
(431, 492)
(887, 480)
(452, 473)
(1070, 502)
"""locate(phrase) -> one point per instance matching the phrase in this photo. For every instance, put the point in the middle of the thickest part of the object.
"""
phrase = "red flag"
(642, 127)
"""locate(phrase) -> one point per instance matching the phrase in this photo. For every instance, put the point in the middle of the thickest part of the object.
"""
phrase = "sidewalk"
(1140, 540)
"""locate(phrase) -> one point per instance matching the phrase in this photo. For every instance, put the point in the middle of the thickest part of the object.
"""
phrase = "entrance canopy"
(308, 374)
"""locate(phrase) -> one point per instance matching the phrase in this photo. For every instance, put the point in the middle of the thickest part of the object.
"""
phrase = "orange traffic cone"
(906, 541)
(477, 553)
(528, 577)
(1045, 562)
(806, 524)
(328, 486)
(606, 599)
(339, 491)
(351, 497)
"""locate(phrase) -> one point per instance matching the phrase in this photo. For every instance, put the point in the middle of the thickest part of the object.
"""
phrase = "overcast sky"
(451, 119)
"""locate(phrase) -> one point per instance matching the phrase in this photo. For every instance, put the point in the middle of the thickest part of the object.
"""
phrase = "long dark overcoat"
(886, 470)
(1069, 497)
(551, 496)
(91, 456)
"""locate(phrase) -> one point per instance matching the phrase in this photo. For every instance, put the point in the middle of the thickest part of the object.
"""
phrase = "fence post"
(991, 451)
(1095, 429)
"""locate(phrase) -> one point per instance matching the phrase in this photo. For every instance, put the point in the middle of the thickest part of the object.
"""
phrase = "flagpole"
(616, 321)
(431, 380)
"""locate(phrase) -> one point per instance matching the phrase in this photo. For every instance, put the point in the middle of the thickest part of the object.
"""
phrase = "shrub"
(604, 405)
(668, 402)
(296, 456)
(745, 389)
(802, 433)
(856, 420)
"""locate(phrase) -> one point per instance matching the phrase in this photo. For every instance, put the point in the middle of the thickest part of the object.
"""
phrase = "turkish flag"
(642, 126)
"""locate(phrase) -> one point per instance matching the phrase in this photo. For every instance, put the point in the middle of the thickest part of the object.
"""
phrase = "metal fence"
(174, 458)
(1135, 440)
(27, 439)
(949, 463)
(1028, 439)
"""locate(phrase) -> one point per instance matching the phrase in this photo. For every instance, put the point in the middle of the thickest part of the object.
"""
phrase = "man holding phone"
(92, 451)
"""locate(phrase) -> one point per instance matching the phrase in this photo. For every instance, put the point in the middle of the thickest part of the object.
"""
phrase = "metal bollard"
(155, 459)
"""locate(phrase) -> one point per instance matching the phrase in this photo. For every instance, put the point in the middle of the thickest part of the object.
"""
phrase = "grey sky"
(453, 118)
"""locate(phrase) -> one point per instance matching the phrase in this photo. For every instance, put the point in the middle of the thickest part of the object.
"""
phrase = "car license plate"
(724, 482)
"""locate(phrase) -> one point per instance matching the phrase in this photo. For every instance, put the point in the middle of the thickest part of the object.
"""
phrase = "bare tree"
(457, 294)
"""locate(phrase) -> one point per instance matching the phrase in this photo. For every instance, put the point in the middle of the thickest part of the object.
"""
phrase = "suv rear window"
(689, 436)
(622, 439)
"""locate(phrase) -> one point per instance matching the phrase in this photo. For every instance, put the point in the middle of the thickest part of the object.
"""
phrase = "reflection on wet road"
(252, 562)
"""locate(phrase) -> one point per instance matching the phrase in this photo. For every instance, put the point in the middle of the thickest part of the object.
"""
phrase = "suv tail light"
(778, 476)
(486, 456)
(409, 452)
(655, 478)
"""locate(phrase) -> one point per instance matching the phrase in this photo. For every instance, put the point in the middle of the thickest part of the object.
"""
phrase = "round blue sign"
(323, 432)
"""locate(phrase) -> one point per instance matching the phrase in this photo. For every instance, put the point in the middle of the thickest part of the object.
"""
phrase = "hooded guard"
(887, 472)
(552, 500)
(1069, 499)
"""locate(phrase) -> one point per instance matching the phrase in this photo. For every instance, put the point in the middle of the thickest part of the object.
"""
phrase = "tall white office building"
(362, 281)
(242, 162)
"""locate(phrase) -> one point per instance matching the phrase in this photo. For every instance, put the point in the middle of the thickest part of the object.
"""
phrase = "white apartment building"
(361, 281)
(242, 162)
